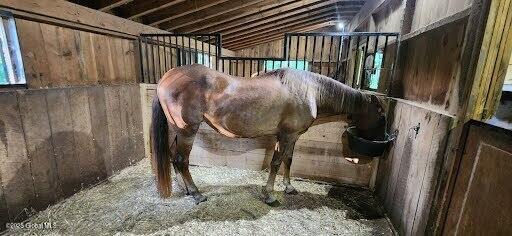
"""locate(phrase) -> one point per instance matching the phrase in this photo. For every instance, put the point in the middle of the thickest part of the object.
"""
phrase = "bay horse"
(283, 103)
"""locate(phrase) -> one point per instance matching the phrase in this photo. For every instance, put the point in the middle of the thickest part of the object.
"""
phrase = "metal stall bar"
(338, 56)
(330, 52)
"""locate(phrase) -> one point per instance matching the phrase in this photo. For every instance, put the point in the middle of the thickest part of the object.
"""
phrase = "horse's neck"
(337, 98)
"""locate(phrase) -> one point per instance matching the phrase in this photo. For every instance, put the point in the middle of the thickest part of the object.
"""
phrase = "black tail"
(161, 149)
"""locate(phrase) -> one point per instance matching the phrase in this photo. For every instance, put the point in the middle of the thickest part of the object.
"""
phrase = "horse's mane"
(326, 91)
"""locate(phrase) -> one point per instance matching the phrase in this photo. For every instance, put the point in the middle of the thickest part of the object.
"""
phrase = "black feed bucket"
(370, 148)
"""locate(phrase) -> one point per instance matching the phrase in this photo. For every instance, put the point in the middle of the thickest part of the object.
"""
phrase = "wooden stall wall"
(318, 154)
(406, 178)
(80, 119)
(56, 56)
(425, 102)
(54, 142)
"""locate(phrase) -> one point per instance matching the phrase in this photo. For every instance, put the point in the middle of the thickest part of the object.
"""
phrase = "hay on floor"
(129, 204)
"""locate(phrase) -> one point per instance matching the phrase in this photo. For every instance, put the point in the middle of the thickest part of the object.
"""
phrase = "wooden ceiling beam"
(141, 8)
(178, 10)
(205, 14)
(102, 5)
(292, 21)
(279, 36)
(284, 11)
(290, 28)
(242, 12)
(289, 18)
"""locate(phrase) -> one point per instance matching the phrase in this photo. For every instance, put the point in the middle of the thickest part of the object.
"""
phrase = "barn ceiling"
(241, 23)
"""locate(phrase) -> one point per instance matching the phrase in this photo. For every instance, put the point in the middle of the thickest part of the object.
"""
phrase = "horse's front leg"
(284, 149)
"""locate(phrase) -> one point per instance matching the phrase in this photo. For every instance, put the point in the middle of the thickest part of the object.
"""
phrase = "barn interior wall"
(426, 101)
(79, 120)
(426, 98)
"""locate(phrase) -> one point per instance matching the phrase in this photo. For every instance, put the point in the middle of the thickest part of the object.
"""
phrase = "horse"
(283, 103)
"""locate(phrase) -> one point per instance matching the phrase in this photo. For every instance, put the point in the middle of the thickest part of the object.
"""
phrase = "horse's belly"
(246, 122)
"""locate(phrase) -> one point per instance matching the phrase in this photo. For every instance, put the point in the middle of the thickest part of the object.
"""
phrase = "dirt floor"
(129, 204)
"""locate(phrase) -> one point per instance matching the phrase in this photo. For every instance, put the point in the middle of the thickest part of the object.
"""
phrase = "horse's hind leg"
(289, 189)
(286, 144)
(185, 139)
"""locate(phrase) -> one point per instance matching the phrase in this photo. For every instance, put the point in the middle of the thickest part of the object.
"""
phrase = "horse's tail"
(161, 149)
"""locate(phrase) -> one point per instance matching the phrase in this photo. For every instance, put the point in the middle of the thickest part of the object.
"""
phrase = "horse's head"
(371, 122)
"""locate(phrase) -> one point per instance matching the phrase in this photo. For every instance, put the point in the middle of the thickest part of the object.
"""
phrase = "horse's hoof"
(291, 190)
(198, 198)
(271, 201)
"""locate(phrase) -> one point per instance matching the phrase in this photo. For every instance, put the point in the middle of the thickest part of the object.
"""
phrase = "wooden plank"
(101, 50)
(205, 14)
(232, 15)
(105, 5)
(92, 167)
(68, 57)
(63, 139)
(136, 129)
(278, 32)
(400, 191)
(113, 61)
(36, 127)
(86, 57)
(53, 52)
(178, 10)
(117, 151)
(17, 182)
(433, 165)
(284, 11)
(399, 145)
(78, 16)
(386, 163)
(142, 8)
(37, 71)
(98, 115)
(418, 168)
(4, 210)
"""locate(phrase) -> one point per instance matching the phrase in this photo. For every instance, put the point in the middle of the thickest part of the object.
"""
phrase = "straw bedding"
(129, 204)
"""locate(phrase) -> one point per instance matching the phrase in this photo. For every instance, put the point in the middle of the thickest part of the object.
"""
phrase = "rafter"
(282, 30)
(285, 11)
(207, 13)
(232, 15)
(105, 5)
(268, 27)
(278, 36)
(289, 18)
(178, 10)
(141, 8)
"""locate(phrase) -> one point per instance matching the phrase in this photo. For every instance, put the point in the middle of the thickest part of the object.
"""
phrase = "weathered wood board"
(54, 142)
(56, 56)
(407, 176)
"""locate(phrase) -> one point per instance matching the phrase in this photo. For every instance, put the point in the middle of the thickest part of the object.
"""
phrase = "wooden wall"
(56, 56)
(429, 67)
(406, 178)
(426, 95)
(319, 153)
(54, 142)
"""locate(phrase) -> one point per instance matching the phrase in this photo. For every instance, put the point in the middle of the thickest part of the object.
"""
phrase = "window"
(272, 65)
(204, 59)
(373, 83)
(11, 65)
